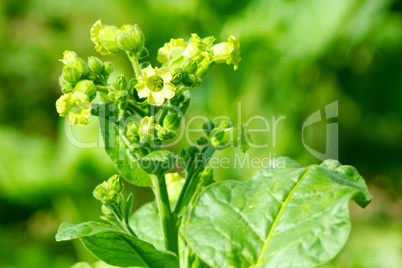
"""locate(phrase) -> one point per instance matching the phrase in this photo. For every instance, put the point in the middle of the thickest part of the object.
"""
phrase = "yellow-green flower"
(104, 37)
(75, 107)
(228, 52)
(155, 85)
(198, 48)
(170, 48)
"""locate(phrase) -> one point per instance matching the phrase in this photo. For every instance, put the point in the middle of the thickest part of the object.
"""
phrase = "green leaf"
(285, 216)
(157, 162)
(146, 224)
(68, 231)
(115, 247)
(117, 149)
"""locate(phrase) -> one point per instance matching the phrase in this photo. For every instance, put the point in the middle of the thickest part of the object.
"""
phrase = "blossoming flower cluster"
(151, 105)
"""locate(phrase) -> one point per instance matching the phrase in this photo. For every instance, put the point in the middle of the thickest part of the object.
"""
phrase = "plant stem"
(104, 89)
(191, 183)
(134, 62)
(168, 222)
(164, 113)
(136, 109)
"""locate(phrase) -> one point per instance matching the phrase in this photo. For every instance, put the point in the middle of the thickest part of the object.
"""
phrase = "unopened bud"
(107, 38)
(189, 65)
(95, 65)
(100, 191)
(172, 121)
(115, 184)
(71, 75)
(225, 123)
(120, 83)
(165, 134)
(189, 80)
(108, 67)
(87, 87)
(71, 59)
(130, 38)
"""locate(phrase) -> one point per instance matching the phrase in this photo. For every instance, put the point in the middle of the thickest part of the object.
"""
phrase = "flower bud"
(71, 59)
(120, 83)
(177, 74)
(133, 127)
(189, 80)
(91, 76)
(67, 89)
(225, 123)
(165, 134)
(172, 121)
(177, 61)
(126, 42)
(143, 53)
(100, 191)
(87, 87)
(71, 75)
(95, 65)
(108, 67)
(189, 65)
(222, 138)
(132, 131)
(202, 141)
(203, 68)
(111, 95)
(208, 126)
(130, 38)
(65, 86)
(107, 39)
(115, 184)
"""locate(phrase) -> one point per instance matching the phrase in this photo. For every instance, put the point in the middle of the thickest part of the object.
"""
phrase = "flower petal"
(156, 98)
(149, 71)
(168, 90)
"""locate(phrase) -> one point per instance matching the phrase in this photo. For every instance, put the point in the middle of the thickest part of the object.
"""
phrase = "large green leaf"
(147, 226)
(115, 247)
(285, 216)
(116, 147)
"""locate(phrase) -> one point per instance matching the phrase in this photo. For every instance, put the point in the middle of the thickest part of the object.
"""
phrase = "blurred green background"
(298, 56)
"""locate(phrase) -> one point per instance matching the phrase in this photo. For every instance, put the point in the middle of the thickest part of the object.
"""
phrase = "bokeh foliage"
(298, 56)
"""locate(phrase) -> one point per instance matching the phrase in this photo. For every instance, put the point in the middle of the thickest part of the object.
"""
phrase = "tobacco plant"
(284, 216)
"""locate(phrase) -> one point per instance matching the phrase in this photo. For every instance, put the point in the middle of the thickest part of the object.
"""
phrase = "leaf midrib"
(277, 218)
